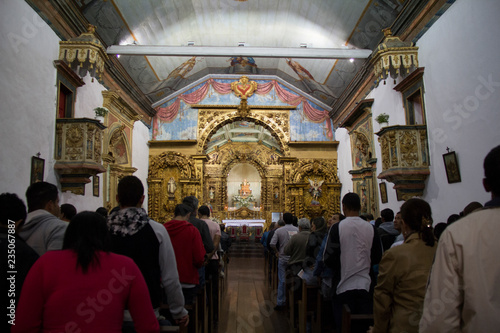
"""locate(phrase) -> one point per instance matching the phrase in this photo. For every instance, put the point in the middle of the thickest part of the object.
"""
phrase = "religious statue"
(171, 186)
(315, 190)
(211, 193)
(245, 189)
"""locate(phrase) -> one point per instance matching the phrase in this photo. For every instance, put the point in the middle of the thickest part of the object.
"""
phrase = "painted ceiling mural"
(176, 120)
(269, 24)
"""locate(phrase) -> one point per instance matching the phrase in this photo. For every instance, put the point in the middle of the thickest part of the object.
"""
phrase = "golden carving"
(74, 142)
(406, 164)
(409, 149)
(97, 146)
(163, 169)
(243, 88)
(210, 121)
(243, 109)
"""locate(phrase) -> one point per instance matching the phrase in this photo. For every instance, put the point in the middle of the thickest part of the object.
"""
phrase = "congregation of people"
(120, 271)
(404, 271)
(101, 271)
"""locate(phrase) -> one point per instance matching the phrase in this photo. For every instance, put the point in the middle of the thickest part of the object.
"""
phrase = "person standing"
(463, 293)
(212, 268)
(43, 230)
(189, 250)
(84, 288)
(352, 248)
(403, 272)
(12, 216)
(135, 235)
(280, 238)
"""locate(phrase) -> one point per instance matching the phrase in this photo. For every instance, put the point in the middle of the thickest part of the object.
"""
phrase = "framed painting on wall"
(383, 192)
(95, 186)
(451, 167)
(37, 168)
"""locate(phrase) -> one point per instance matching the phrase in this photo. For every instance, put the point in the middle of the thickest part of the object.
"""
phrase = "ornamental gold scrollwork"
(384, 144)
(243, 88)
(74, 142)
(210, 122)
(171, 159)
(97, 146)
(408, 148)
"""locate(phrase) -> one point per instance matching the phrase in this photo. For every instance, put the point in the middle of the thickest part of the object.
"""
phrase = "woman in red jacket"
(84, 288)
(188, 248)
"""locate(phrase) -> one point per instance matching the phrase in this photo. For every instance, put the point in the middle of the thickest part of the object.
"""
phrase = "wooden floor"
(248, 304)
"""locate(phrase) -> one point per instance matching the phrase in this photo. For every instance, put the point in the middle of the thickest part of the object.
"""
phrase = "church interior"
(170, 76)
(255, 107)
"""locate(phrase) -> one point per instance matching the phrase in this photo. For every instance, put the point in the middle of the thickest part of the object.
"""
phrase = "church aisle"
(247, 306)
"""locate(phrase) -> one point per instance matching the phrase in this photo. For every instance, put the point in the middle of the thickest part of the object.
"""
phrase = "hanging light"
(84, 54)
(394, 58)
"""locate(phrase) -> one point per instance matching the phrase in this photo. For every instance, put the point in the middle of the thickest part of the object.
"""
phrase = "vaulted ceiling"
(319, 24)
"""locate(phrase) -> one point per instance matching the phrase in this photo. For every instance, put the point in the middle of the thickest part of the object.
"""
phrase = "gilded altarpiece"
(364, 162)
(171, 177)
(117, 151)
(312, 187)
(287, 183)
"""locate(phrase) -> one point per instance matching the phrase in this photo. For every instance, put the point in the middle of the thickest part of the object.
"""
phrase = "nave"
(248, 301)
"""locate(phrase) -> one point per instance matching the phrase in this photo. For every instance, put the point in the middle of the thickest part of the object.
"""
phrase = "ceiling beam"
(238, 51)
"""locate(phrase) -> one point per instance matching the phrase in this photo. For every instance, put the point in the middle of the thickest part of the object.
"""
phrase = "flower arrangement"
(101, 111)
(244, 201)
(382, 118)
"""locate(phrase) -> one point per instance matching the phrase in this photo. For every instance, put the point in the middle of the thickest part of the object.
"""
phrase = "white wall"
(344, 160)
(140, 156)
(462, 98)
(389, 101)
(28, 95)
(460, 56)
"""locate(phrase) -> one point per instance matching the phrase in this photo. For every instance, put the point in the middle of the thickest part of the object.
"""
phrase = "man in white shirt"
(352, 248)
(280, 239)
(463, 293)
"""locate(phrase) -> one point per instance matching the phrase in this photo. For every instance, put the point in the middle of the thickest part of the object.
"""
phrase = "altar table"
(239, 223)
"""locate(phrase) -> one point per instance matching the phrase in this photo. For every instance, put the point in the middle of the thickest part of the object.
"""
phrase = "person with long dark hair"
(403, 272)
(84, 287)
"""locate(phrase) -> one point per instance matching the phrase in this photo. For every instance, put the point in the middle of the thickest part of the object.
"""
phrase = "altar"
(248, 230)
(239, 223)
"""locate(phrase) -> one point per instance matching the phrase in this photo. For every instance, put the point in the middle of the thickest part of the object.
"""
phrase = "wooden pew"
(348, 319)
(310, 307)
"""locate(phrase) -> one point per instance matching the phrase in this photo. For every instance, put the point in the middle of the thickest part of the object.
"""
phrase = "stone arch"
(276, 124)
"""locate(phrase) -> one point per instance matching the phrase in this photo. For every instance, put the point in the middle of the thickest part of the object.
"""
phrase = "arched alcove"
(238, 175)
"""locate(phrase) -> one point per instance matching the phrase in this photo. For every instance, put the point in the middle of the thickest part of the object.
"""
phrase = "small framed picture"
(37, 168)
(451, 167)
(95, 186)
(383, 192)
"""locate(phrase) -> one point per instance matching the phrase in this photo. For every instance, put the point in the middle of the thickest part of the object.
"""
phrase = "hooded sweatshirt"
(43, 231)
(131, 233)
(188, 248)
(132, 236)
(387, 234)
